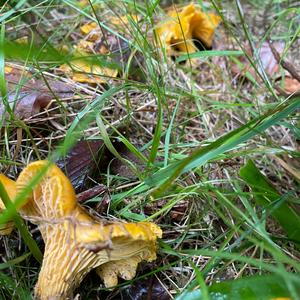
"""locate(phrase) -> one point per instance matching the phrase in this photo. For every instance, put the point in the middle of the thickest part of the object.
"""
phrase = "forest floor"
(204, 143)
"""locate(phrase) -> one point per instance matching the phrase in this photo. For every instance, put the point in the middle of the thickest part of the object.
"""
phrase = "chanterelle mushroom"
(10, 187)
(186, 26)
(76, 242)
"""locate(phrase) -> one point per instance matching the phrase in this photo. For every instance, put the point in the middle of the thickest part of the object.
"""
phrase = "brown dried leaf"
(80, 161)
(120, 168)
(291, 85)
(30, 83)
(27, 104)
(35, 94)
(269, 62)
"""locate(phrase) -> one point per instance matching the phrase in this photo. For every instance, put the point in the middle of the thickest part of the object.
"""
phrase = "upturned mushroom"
(75, 241)
(187, 27)
(10, 187)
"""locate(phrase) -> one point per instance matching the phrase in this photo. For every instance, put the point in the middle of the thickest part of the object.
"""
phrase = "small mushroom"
(10, 187)
(188, 29)
(76, 242)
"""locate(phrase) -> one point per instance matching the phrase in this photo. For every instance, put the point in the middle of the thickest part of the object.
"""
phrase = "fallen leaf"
(268, 62)
(26, 105)
(80, 161)
(120, 168)
(188, 30)
(290, 85)
(34, 94)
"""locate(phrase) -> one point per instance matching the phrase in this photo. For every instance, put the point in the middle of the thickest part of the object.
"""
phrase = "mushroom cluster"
(75, 241)
(187, 30)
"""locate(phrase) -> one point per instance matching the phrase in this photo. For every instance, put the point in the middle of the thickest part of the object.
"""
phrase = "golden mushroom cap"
(11, 189)
(186, 25)
(53, 196)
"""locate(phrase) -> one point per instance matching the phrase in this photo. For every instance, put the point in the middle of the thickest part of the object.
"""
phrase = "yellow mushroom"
(82, 69)
(10, 187)
(184, 27)
(76, 242)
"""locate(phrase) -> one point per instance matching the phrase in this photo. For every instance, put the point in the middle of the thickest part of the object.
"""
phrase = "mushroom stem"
(64, 266)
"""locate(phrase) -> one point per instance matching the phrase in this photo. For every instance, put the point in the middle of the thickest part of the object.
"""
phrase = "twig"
(285, 64)
(92, 192)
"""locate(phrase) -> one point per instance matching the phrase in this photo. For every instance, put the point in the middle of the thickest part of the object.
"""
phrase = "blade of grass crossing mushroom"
(265, 194)
(29, 241)
(21, 197)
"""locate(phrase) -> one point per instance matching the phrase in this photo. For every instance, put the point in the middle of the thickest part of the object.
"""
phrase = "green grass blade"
(248, 288)
(18, 6)
(9, 286)
(168, 134)
(14, 261)
(267, 196)
(225, 143)
(210, 53)
(2, 64)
